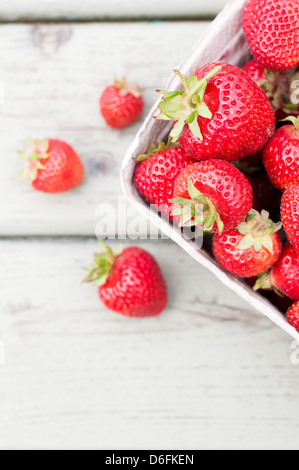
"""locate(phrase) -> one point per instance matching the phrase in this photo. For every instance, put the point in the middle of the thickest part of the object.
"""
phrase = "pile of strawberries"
(230, 168)
(231, 164)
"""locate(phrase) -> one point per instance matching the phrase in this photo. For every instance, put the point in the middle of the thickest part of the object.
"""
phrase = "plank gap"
(78, 239)
(123, 19)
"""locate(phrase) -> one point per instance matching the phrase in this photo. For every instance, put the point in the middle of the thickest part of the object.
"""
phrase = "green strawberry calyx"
(294, 120)
(187, 105)
(153, 149)
(125, 88)
(102, 266)
(264, 282)
(197, 211)
(36, 153)
(258, 230)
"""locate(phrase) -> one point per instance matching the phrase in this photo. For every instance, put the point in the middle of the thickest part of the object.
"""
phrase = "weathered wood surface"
(101, 9)
(53, 75)
(208, 373)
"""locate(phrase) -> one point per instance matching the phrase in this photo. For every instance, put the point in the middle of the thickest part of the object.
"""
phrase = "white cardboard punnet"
(224, 41)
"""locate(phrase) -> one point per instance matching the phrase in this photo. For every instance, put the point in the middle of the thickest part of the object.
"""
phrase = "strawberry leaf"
(188, 102)
(169, 96)
(193, 192)
(195, 129)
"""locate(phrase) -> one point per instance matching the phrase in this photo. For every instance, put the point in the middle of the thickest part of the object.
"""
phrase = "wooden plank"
(95, 9)
(209, 373)
(53, 76)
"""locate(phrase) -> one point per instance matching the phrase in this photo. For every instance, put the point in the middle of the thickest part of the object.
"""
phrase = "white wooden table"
(210, 372)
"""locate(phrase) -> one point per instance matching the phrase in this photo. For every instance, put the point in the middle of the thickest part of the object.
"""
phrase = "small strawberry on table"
(121, 104)
(52, 166)
(130, 282)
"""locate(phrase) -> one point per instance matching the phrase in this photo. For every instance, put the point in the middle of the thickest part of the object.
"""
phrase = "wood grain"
(209, 373)
(92, 9)
(53, 76)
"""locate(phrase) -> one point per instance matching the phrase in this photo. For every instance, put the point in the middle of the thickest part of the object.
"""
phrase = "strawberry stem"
(126, 88)
(294, 120)
(257, 230)
(153, 149)
(102, 266)
(186, 106)
(198, 211)
(37, 152)
(263, 282)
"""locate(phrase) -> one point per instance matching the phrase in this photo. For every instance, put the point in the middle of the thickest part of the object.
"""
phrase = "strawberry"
(213, 195)
(250, 249)
(290, 215)
(281, 156)
(293, 316)
(221, 113)
(271, 29)
(130, 282)
(52, 166)
(156, 173)
(121, 104)
(284, 276)
(280, 87)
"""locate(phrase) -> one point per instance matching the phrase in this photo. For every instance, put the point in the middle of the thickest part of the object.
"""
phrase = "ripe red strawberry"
(281, 156)
(250, 249)
(52, 166)
(220, 114)
(130, 282)
(121, 104)
(293, 316)
(284, 276)
(220, 192)
(279, 87)
(156, 173)
(290, 215)
(271, 29)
